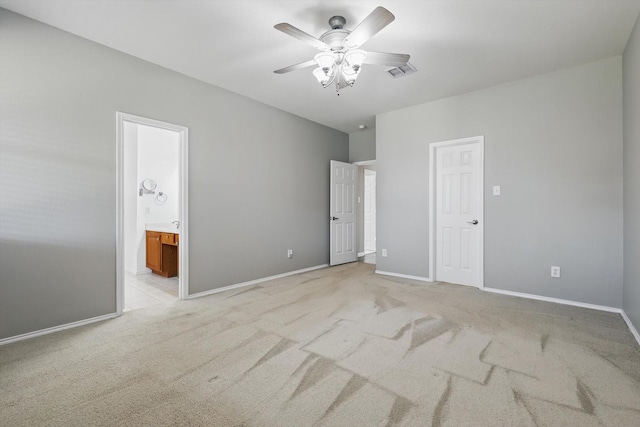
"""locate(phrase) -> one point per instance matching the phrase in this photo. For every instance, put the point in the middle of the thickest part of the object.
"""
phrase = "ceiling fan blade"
(391, 59)
(301, 35)
(376, 21)
(295, 67)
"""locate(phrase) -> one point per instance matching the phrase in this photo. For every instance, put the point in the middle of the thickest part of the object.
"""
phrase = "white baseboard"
(404, 276)
(47, 331)
(556, 300)
(632, 328)
(254, 282)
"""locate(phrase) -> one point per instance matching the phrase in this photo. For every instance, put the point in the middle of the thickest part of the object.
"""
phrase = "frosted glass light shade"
(350, 74)
(325, 60)
(321, 76)
(355, 58)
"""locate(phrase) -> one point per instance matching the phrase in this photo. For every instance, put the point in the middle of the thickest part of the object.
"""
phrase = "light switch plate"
(496, 190)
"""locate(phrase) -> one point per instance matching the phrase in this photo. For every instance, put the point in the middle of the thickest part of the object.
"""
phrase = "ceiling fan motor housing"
(337, 22)
(335, 39)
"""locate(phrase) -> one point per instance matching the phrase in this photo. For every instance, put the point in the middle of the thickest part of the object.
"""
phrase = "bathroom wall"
(158, 159)
(149, 153)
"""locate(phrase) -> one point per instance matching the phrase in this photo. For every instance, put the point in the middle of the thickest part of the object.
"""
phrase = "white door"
(342, 213)
(369, 211)
(458, 216)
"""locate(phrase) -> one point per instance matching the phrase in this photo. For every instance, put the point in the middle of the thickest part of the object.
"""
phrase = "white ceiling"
(457, 46)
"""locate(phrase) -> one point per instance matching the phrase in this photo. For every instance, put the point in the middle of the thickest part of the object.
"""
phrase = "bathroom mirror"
(149, 184)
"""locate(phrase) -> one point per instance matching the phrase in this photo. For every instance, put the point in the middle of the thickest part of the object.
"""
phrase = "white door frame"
(432, 203)
(183, 206)
(368, 172)
(361, 208)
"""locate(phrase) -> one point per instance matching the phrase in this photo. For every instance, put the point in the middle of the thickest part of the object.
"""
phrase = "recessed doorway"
(366, 208)
(151, 207)
(369, 211)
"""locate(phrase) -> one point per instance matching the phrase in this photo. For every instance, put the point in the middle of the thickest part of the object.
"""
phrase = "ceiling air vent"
(401, 71)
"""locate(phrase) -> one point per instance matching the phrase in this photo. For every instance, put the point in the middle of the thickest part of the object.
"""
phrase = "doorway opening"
(456, 212)
(369, 211)
(152, 239)
(366, 207)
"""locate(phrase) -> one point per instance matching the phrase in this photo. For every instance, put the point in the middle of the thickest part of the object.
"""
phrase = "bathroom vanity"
(162, 252)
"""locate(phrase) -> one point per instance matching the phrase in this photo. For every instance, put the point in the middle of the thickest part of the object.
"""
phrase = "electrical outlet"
(147, 211)
(555, 271)
(384, 252)
(290, 253)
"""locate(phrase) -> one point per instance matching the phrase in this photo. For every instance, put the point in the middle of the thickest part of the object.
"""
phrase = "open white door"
(342, 213)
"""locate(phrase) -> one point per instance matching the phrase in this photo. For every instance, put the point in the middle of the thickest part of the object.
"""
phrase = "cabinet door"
(154, 251)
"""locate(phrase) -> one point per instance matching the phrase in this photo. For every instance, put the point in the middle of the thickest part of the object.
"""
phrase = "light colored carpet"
(338, 346)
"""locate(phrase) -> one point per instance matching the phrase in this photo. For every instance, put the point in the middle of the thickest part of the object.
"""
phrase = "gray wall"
(554, 144)
(258, 176)
(631, 79)
(362, 145)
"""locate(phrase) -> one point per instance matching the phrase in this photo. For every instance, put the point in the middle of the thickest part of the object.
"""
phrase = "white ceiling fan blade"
(301, 35)
(391, 59)
(295, 67)
(376, 21)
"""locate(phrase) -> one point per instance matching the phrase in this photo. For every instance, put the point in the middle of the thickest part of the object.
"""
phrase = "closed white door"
(458, 184)
(342, 213)
(369, 211)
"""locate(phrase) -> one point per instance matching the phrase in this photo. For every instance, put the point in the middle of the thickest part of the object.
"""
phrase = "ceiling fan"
(340, 60)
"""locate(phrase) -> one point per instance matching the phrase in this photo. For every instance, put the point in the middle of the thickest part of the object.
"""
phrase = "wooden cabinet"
(162, 253)
(154, 251)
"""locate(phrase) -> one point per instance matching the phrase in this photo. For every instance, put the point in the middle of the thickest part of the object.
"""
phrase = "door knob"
(473, 221)
(333, 218)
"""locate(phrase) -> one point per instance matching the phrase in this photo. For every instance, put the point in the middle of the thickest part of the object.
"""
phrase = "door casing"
(183, 205)
(432, 203)
(369, 217)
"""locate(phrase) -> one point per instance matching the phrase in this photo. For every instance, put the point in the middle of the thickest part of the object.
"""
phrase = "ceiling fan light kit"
(340, 60)
(336, 66)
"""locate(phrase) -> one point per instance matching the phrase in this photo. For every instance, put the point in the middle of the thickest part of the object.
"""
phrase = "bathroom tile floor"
(145, 290)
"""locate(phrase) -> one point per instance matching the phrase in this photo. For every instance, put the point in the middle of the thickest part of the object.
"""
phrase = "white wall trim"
(404, 276)
(556, 300)
(183, 209)
(365, 163)
(361, 254)
(53, 329)
(432, 201)
(632, 328)
(254, 282)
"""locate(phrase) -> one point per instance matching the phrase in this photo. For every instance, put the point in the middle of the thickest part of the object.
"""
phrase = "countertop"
(162, 227)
